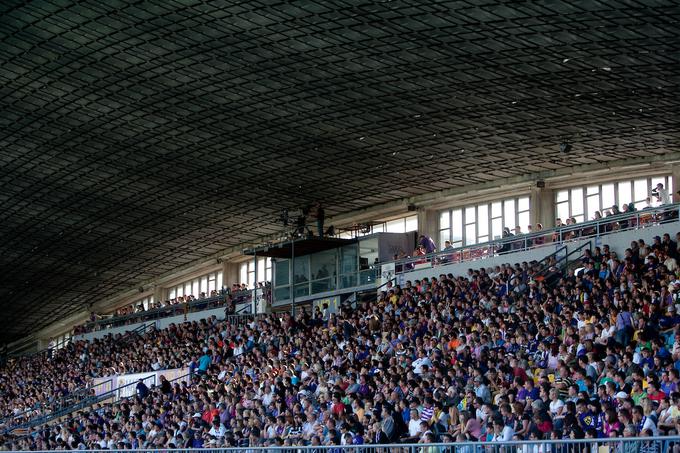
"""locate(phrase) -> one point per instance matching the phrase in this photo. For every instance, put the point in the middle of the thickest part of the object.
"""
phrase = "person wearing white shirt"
(420, 362)
(661, 195)
(556, 404)
(218, 430)
(414, 424)
(501, 432)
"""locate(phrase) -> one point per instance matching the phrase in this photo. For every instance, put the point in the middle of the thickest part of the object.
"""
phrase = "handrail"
(86, 391)
(529, 241)
(393, 279)
(85, 402)
(618, 444)
(152, 314)
(58, 404)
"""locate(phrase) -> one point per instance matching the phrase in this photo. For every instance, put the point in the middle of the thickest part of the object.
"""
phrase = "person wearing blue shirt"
(204, 363)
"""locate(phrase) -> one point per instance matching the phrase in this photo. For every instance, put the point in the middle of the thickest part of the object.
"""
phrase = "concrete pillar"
(159, 294)
(543, 207)
(675, 176)
(428, 224)
(230, 272)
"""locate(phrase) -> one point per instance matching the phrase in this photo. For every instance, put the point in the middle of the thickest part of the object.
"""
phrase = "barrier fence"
(669, 444)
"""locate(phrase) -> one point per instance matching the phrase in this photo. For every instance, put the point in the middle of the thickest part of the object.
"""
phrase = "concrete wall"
(618, 242)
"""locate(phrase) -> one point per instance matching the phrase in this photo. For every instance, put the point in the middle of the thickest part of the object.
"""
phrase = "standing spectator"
(661, 195)
(320, 218)
(427, 243)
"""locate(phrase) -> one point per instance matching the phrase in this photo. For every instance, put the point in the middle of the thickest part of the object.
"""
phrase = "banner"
(332, 302)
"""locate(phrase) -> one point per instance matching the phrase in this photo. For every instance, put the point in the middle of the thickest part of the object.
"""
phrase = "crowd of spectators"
(496, 355)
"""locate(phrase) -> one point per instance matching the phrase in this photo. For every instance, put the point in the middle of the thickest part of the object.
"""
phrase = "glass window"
(483, 220)
(412, 223)
(524, 221)
(470, 236)
(323, 265)
(281, 277)
(172, 294)
(470, 216)
(669, 186)
(592, 205)
(509, 214)
(380, 228)
(523, 204)
(497, 228)
(563, 211)
(445, 220)
(204, 282)
(562, 195)
(608, 198)
(220, 280)
(625, 195)
(456, 225)
(592, 190)
(395, 226)
(497, 209)
(301, 274)
(348, 258)
(194, 288)
(576, 202)
(444, 235)
(640, 190)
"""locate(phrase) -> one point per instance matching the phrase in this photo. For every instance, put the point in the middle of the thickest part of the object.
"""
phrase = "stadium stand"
(331, 226)
(499, 354)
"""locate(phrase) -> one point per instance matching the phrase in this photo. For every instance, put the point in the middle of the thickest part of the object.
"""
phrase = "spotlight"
(565, 147)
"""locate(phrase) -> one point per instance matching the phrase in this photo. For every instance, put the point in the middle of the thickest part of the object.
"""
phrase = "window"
(483, 222)
(570, 202)
(197, 286)
(401, 225)
(247, 272)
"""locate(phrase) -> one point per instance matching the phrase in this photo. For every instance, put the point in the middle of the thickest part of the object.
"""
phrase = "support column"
(428, 224)
(230, 274)
(158, 294)
(543, 207)
(675, 177)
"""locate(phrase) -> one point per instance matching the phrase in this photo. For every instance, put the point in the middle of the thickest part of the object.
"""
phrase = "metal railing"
(119, 393)
(560, 235)
(607, 445)
(153, 314)
(46, 409)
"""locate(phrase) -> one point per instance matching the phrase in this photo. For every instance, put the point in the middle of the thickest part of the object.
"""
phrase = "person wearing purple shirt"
(427, 243)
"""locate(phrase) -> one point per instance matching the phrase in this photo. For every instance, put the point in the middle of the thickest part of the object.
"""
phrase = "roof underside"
(135, 139)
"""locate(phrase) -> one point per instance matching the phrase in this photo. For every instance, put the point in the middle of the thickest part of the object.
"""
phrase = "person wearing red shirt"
(338, 407)
(654, 394)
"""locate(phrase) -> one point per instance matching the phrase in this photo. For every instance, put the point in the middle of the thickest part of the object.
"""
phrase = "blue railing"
(607, 445)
